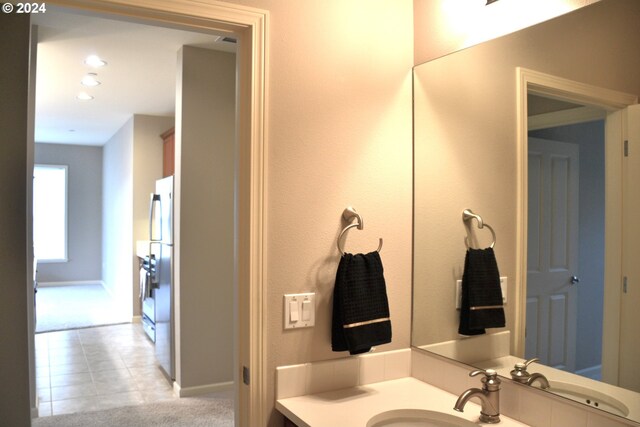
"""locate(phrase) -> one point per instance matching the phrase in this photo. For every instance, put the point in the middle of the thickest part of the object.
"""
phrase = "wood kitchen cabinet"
(168, 152)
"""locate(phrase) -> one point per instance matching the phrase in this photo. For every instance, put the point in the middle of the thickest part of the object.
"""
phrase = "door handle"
(575, 280)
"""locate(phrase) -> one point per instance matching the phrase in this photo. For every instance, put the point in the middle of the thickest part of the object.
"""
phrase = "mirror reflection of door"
(552, 253)
(565, 276)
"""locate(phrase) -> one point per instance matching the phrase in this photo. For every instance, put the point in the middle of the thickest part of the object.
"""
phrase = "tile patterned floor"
(97, 368)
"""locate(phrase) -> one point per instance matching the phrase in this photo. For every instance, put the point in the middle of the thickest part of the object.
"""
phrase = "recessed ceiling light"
(84, 96)
(95, 61)
(90, 80)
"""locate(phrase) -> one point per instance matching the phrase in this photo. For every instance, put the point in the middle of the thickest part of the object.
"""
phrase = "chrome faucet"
(489, 396)
(544, 382)
(521, 375)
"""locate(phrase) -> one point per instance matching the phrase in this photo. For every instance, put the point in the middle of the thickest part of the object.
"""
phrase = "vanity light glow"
(476, 23)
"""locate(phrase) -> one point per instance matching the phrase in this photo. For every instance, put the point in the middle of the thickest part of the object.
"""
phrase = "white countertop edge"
(354, 407)
(504, 365)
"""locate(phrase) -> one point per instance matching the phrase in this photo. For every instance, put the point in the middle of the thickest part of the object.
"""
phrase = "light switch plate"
(305, 319)
(503, 287)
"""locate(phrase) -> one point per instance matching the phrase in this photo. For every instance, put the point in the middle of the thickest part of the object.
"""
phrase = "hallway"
(92, 369)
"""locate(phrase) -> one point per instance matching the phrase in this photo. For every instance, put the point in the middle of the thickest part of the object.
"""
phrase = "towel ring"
(468, 215)
(349, 214)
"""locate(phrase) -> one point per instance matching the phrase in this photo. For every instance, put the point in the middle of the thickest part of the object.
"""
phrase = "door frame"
(612, 101)
(249, 25)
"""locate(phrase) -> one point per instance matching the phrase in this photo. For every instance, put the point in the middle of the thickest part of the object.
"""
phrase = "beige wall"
(445, 26)
(147, 168)
(14, 355)
(466, 139)
(204, 217)
(339, 133)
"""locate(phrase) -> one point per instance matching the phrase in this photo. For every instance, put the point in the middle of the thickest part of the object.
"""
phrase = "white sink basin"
(589, 396)
(417, 418)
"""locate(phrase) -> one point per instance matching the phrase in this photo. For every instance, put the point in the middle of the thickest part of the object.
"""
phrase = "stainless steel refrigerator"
(161, 237)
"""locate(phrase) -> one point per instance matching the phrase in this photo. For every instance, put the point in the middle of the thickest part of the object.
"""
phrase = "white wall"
(117, 218)
(14, 354)
(147, 168)
(445, 26)
(132, 161)
(204, 216)
(84, 212)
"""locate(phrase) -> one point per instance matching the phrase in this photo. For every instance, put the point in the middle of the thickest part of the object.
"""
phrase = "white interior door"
(629, 372)
(552, 251)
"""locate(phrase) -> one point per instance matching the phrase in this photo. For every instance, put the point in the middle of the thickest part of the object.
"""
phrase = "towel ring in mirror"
(349, 214)
(468, 215)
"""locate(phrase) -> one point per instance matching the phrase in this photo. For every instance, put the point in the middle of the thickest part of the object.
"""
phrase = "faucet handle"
(519, 372)
(490, 381)
(527, 362)
(486, 372)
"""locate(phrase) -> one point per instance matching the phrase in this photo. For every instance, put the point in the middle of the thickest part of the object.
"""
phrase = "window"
(50, 213)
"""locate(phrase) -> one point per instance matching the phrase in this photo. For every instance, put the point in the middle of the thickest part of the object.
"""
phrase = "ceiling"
(537, 104)
(139, 78)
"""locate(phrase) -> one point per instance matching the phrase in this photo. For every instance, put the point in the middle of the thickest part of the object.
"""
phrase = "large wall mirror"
(529, 132)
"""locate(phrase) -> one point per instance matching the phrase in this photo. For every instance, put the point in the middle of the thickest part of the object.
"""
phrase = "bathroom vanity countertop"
(354, 407)
(504, 365)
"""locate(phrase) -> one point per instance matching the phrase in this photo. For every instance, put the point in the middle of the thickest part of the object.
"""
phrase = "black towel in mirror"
(360, 306)
(481, 305)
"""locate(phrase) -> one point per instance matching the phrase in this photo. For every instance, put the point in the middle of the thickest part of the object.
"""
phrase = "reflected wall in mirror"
(469, 153)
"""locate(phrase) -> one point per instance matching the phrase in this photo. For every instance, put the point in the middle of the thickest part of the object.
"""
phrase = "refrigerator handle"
(155, 224)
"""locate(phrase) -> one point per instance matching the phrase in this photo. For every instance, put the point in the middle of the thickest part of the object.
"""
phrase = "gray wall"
(204, 217)
(84, 215)
(117, 228)
(14, 353)
(590, 139)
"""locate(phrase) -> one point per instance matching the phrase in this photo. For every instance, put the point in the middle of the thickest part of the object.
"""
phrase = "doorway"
(566, 199)
(610, 103)
(249, 25)
(130, 160)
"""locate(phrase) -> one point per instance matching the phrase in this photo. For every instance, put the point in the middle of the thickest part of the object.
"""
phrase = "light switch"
(293, 311)
(299, 310)
(306, 310)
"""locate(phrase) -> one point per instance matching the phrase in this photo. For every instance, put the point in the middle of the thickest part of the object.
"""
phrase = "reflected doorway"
(565, 254)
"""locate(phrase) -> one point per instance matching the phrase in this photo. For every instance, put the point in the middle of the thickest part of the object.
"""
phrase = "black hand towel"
(481, 305)
(360, 306)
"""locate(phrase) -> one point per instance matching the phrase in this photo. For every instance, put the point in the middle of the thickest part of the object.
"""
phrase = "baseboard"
(34, 409)
(70, 283)
(201, 389)
(136, 319)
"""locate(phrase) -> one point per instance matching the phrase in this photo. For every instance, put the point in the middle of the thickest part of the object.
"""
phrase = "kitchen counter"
(354, 407)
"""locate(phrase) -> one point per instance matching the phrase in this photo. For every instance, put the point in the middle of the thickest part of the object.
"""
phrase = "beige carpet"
(186, 412)
(60, 308)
